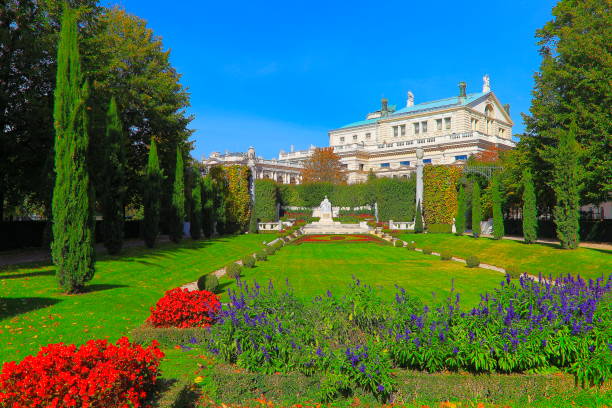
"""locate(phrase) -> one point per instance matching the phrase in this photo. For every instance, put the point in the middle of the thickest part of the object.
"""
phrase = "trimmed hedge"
(248, 261)
(446, 255)
(427, 251)
(266, 197)
(233, 270)
(439, 228)
(261, 256)
(472, 261)
(208, 282)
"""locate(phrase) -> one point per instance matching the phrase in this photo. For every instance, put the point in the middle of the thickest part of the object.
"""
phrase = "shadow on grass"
(98, 287)
(173, 393)
(27, 274)
(10, 307)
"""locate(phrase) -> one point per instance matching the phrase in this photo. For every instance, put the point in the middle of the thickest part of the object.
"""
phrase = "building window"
(342, 139)
(438, 124)
(426, 161)
(403, 130)
(501, 132)
(404, 163)
(447, 123)
(489, 126)
(395, 131)
(424, 127)
(361, 167)
(354, 137)
(474, 123)
(385, 165)
(368, 136)
(461, 157)
(416, 128)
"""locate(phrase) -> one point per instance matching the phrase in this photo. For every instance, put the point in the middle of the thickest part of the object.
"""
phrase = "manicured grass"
(34, 312)
(533, 258)
(312, 268)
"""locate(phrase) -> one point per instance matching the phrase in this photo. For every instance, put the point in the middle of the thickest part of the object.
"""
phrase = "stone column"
(419, 177)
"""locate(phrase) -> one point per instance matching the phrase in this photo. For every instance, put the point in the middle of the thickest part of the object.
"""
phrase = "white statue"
(486, 84)
(326, 207)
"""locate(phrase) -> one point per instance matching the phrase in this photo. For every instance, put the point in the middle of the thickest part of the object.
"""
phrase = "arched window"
(489, 115)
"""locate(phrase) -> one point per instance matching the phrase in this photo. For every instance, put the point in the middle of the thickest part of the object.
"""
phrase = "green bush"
(411, 246)
(208, 282)
(398, 243)
(446, 255)
(269, 250)
(439, 228)
(266, 197)
(472, 261)
(514, 271)
(248, 261)
(261, 256)
(233, 270)
(427, 250)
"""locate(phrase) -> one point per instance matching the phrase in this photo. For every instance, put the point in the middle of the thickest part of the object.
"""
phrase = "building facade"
(448, 130)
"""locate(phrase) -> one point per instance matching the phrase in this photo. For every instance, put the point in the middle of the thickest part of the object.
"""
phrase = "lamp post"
(419, 176)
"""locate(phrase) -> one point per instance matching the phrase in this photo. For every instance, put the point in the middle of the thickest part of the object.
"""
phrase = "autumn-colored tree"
(490, 155)
(323, 165)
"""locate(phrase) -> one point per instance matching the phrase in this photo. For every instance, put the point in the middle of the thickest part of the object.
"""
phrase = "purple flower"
(380, 388)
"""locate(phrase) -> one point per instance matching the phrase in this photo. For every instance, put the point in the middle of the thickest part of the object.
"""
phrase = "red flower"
(96, 374)
(184, 308)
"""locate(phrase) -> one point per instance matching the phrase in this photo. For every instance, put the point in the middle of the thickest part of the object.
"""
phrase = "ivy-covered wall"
(266, 197)
(440, 193)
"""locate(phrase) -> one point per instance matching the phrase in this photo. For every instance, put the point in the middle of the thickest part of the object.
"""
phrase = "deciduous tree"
(324, 165)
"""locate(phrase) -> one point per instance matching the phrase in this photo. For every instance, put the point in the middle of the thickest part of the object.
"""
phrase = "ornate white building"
(448, 130)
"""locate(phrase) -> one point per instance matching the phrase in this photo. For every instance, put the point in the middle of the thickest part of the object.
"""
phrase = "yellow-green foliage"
(239, 200)
(440, 193)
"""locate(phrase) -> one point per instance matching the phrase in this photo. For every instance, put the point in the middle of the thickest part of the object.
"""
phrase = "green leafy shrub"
(446, 255)
(427, 250)
(270, 250)
(440, 193)
(411, 246)
(233, 270)
(398, 243)
(514, 271)
(248, 261)
(208, 282)
(439, 228)
(266, 197)
(472, 261)
(261, 256)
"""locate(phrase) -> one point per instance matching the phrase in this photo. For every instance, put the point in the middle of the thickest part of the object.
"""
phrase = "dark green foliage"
(261, 256)
(266, 197)
(566, 185)
(472, 261)
(439, 228)
(208, 212)
(253, 224)
(461, 210)
(248, 261)
(427, 250)
(208, 282)
(270, 250)
(411, 246)
(151, 197)
(498, 217)
(195, 227)
(446, 255)
(418, 221)
(395, 198)
(112, 183)
(178, 200)
(399, 243)
(476, 210)
(220, 198)
(233, 270)
(73, 223)
(530, 215)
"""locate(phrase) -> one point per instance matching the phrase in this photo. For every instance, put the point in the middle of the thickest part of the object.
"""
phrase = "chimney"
(384, 105)
(462, 87)
(410, 99)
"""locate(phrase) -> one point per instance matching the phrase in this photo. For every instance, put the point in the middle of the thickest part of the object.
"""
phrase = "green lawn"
(312, 268)
(33, 311)
(534, 259)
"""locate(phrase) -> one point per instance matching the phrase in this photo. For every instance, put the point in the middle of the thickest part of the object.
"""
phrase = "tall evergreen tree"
(530, 214)
(178, 200)
(208, 214)
(461, 208)
(152, 197)
(112, 186)
(195, 227)
(498, 217)
(476, 210)
(418, 221)
(566, 185)
(72, 206)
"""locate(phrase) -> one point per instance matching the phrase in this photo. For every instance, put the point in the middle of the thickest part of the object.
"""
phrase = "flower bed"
(184, 308)
(96, 374)
(330, 238)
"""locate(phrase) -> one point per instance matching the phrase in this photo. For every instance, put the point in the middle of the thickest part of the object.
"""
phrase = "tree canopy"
(324, 165)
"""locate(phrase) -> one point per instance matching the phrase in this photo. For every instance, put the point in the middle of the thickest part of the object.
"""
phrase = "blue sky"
(271, 74)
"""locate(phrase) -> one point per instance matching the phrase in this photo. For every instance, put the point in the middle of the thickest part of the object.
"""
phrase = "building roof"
(423, 107)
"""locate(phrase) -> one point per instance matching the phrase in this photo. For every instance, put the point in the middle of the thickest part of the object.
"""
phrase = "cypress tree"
(476, 210)
(112, 188)
(151, 197)
(178, 200)
(498, 217)
(530, 215)
(418, 221)
(566, 185)
(460, 217)
(195, 228)
(208, 220)
(72, 206)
